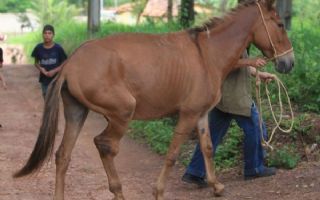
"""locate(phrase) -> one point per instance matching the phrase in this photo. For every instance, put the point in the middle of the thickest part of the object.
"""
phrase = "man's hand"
(253, 62)
(257, 62)
(266, 77)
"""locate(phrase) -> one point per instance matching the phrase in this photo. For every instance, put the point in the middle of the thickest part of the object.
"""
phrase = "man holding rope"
(236, 103)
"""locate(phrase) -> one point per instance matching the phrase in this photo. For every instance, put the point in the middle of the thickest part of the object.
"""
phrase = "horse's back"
(158, 71)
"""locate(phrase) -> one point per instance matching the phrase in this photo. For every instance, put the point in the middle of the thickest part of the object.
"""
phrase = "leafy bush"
(285, 157)
(303, 82)
(53, 11)
(14, 5)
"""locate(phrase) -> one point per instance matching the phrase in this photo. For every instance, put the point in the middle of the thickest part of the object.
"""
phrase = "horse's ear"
(270, 4)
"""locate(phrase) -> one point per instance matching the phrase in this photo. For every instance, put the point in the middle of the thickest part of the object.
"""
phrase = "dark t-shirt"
(48, 59)
(1, 55)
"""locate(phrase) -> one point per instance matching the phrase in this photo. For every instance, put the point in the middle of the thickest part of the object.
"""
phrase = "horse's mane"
(215, 21)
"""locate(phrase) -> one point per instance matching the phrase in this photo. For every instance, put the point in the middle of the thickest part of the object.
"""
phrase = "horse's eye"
(280, 25)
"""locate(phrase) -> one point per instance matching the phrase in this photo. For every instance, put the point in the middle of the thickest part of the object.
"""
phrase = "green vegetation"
(72, 34)
(111, 3)
(53, 11)
(157, 134)
(304, 82)
(284, 157)
(14, 5)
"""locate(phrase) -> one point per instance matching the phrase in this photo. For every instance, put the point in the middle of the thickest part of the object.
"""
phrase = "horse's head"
(271, 38)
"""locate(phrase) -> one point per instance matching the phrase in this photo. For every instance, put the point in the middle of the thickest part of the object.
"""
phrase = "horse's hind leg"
(187, 122)
(75, 115)
(108, 141)
(107, 144)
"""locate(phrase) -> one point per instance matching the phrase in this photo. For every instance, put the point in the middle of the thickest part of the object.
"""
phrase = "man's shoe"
(200, 182)
(267, 171)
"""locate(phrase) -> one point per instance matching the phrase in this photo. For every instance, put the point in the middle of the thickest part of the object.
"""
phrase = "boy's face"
(47, 36)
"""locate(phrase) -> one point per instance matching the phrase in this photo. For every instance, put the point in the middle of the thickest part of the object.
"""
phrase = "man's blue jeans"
(219, 123)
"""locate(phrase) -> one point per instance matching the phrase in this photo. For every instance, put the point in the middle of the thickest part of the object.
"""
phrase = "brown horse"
(146, 76)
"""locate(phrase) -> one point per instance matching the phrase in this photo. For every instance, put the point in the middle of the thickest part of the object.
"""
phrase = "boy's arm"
(41, 69)
(52, 72)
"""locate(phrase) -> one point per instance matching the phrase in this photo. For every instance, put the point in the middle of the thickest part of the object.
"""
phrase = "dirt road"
(20, 114)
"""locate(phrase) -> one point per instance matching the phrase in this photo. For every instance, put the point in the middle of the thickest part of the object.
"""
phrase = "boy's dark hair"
(48, 27)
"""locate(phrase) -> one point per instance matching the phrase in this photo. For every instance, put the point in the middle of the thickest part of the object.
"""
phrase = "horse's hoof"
(219, 189)
(157, 195)
(119, 197)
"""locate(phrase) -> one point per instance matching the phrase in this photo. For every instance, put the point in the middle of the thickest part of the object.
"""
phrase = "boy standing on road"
(48, 58)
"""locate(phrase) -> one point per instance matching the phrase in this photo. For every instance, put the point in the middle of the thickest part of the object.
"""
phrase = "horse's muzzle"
(285, 63)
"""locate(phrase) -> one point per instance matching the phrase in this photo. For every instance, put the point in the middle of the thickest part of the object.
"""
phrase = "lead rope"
(280, 84)
(266, 143)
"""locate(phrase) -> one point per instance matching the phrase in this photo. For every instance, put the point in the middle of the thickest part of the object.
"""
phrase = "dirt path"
(20, 113)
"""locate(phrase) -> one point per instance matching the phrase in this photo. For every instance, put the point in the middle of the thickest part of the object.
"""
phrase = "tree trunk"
(169, 11)
(284, 8)
(186, 13)
(93, 17)
(223, 6)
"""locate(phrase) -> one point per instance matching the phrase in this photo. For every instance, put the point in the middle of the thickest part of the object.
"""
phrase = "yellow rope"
(277, 121)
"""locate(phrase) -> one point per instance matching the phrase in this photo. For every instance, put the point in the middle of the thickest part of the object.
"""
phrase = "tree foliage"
(53, 11)
(187, 13)
(14, 5)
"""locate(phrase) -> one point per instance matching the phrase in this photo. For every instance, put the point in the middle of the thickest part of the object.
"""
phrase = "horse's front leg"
(187, 122)
(207, 151)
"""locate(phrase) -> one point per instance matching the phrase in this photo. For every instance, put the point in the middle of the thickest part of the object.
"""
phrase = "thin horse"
(146, 76)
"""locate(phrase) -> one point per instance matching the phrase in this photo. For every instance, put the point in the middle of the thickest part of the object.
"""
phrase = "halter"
(268, 33)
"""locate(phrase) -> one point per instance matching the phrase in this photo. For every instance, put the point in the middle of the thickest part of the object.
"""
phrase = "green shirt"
(236, 93)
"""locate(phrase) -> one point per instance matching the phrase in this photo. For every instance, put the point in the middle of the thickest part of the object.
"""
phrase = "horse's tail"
(44, 146)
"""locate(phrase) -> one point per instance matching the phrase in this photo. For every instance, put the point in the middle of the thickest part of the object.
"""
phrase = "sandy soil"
(20, 114)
